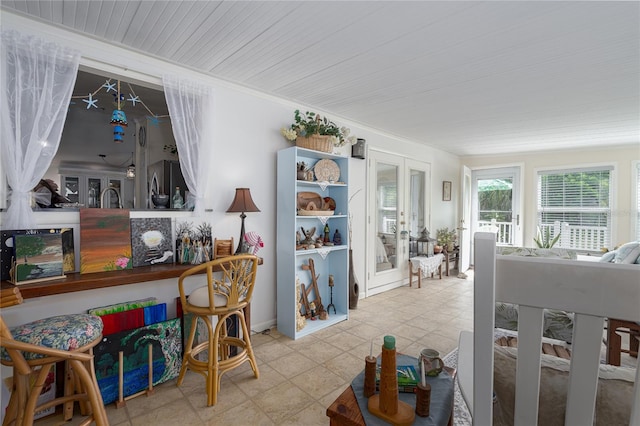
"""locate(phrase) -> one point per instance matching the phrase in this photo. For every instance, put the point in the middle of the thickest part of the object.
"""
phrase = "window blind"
(577, 204)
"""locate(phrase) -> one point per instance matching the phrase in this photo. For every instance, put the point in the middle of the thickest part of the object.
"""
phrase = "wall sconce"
(242, 202)
(358, 149)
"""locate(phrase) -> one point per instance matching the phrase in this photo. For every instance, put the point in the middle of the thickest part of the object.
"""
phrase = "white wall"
(620, 157)
(244, 150)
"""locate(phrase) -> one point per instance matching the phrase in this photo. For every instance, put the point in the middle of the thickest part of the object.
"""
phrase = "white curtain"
(36, 82)
(191, 108)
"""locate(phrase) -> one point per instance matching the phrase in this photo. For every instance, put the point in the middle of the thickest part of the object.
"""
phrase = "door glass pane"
(71, 189)
(93, 195)
(495, 207)
(416, 208)
(112, 200)
(386, 220)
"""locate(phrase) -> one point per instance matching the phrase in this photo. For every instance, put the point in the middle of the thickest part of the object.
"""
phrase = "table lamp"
(242, 203)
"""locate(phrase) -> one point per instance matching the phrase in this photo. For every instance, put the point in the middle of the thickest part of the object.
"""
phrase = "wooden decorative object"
(322, 312)
(386, 405)
(222, 248)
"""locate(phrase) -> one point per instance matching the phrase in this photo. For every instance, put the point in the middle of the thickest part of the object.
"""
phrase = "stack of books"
(408, 378)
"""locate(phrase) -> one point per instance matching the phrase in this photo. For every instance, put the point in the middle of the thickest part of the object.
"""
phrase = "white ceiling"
(470, 78)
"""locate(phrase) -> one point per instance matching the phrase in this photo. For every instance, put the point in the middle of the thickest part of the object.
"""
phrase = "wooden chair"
(222, 248)
(226, 298)
(30, 360)
(614, 340)
(592, 290)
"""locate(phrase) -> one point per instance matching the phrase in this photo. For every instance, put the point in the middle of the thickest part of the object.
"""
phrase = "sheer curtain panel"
(36, 80)
(191, 109)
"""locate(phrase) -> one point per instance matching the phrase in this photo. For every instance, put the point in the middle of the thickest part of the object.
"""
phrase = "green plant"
(446, 236)
(545, 241)
(310, 123)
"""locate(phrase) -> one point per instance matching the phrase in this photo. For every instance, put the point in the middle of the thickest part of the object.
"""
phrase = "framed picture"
(446, 190)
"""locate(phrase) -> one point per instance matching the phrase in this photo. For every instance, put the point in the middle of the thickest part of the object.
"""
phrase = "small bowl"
(160, 201)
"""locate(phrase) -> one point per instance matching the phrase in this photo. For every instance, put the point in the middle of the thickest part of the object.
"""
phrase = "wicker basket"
(315, 142)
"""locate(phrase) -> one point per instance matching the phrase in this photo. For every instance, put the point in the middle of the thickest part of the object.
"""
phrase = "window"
(576, 203)
(635, 171)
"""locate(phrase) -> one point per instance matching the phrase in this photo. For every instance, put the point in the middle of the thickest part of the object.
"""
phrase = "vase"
(354, 290)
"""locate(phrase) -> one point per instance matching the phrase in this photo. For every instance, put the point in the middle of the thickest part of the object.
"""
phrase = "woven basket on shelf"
(316, 142)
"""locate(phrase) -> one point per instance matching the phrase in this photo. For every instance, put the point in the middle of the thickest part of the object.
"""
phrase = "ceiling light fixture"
(131, 169)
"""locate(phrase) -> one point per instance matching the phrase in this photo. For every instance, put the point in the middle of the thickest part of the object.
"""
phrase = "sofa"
(557, 324)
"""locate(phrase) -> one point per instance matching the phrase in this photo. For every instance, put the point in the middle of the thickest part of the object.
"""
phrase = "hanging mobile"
(331, 284)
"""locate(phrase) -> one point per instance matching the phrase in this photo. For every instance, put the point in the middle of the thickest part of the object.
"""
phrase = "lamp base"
(241, 240)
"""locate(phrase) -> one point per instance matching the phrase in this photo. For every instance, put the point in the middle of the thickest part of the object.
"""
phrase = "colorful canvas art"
(166, 341)
(38, 257)
(105, 240)
(151, 241)
(7, 249)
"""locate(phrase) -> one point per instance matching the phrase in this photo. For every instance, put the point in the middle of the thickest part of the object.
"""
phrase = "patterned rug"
(461, 415)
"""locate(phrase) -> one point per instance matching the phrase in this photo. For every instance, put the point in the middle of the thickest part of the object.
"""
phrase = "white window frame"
(612, 167)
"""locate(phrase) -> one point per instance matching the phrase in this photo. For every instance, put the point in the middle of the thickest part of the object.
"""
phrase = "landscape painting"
(7, 249)
(151, 241)
(105, 240)
(38, 257)
(165, 339)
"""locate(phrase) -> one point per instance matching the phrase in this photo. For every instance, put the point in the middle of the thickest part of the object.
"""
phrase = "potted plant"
(311, 130)
(446, 238)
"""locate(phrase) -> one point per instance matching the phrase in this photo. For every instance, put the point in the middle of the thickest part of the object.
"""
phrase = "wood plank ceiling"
(467, 77)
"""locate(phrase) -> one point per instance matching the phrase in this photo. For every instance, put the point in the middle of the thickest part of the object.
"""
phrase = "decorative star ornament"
(133, 99)
(109, 86)
(90, 102)
(154, 121)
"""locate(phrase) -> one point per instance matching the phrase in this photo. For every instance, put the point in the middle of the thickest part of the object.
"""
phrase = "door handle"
(517, 220)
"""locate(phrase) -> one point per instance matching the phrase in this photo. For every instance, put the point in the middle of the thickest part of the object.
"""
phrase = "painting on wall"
(151, 241)
(105, 240)
(7, 249)
(165, 339)
(38, 257)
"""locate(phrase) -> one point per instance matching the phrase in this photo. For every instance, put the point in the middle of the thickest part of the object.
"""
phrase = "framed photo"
(446, 190)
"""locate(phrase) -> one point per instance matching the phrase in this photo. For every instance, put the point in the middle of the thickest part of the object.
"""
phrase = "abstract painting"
(38, 257)
(7, 249)
(105, 240)
(166, 341)
(151, 241)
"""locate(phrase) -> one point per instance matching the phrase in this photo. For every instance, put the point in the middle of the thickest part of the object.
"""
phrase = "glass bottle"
(177, 199)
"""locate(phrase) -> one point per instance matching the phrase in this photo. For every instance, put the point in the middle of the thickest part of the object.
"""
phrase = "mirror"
(89, 160)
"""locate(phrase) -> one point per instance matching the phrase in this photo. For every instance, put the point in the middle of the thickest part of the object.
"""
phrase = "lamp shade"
(242, 202)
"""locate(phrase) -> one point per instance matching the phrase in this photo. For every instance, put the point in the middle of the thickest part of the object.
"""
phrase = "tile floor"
(300, 378)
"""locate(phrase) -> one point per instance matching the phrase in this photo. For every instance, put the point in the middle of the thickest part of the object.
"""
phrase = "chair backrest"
(592, 290)
(222, 248)
(235, 282)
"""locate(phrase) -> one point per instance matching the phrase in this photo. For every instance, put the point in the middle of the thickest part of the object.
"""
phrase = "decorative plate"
(327, 170)
(329, 203)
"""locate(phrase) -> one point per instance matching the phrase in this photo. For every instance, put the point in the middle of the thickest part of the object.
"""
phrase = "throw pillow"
(628, 253)
(613, 402)
(608, 257)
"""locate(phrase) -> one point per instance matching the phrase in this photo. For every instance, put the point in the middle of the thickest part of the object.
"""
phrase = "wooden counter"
(81, 282)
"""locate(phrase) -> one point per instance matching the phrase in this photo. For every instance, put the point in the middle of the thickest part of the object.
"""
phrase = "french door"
(398, 211)
(496, 204)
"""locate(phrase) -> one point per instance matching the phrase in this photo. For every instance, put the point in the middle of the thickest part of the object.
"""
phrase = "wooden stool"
(224, 298)
(36, 348)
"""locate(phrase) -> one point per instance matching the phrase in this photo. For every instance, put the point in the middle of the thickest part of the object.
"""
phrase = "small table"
(345, 410)
(451, 257)
(614, 341)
